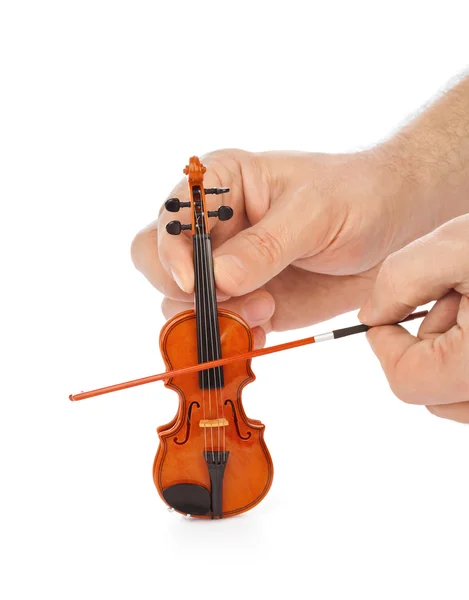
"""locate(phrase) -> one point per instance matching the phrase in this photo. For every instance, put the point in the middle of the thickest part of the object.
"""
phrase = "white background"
(102, 103)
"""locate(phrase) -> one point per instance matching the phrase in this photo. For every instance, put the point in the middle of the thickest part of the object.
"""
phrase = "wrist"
(422, 173)
(406, 198)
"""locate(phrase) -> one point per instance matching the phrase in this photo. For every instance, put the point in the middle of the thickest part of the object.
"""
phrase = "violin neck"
(206, 311)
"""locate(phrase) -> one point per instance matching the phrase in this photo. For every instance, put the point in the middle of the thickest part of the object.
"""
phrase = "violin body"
(212, 461)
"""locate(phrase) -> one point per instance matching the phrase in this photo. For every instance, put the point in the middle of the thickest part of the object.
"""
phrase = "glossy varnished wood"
(249, 470)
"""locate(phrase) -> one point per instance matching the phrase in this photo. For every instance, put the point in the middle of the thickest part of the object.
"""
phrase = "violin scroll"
(195, 171)
(199, 212)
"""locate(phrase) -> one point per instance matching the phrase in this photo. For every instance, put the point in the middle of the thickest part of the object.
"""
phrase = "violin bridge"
(213, 423)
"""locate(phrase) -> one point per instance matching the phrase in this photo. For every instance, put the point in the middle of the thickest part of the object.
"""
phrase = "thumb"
(407, 362)
(255, 255)
(429, 371)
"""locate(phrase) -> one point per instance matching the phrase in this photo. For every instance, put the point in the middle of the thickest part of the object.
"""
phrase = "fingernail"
(181, 281)
(258, 309)
(230, 266)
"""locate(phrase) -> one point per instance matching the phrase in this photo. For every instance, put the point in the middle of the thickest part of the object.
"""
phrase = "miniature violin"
(212, 461)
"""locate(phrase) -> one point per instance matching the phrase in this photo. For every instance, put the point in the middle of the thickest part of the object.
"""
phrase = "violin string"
(206, 377)
(198, 278)
(210, 304)
(217, 350)
(208, 329)
(212, 338)
(217, 347)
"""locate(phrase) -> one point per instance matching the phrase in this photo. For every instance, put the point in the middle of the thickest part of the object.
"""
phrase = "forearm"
(425, 166)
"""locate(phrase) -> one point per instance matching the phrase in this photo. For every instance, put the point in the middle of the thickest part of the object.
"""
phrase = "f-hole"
(188, 424)
(235, 420)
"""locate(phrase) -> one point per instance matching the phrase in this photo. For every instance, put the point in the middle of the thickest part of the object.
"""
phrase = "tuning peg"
(174, 204)
(224, 213)
(217, 190)
(175, 227)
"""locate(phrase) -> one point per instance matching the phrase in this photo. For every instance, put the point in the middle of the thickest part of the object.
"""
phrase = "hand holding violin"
(308, 235)
(311, 231)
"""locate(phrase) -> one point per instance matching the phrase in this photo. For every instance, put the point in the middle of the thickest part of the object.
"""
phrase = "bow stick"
(323, 337)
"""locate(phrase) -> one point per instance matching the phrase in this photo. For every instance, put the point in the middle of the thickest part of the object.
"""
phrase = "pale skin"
(316, 235)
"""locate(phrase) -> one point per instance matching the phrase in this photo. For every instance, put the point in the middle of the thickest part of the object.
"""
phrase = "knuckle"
(223, 154)
(264, 245)
(223, 163)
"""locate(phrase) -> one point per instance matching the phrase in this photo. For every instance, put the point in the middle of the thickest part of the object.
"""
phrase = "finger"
(393, 345)
(145, 258)
(290, 228)
(459, 411)
(258, 337)
(431, 371)
(424, 270)
(441, 317)
(162, 257)
(175, 252)
(144, 252)
(256, 308)
(301, 298)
